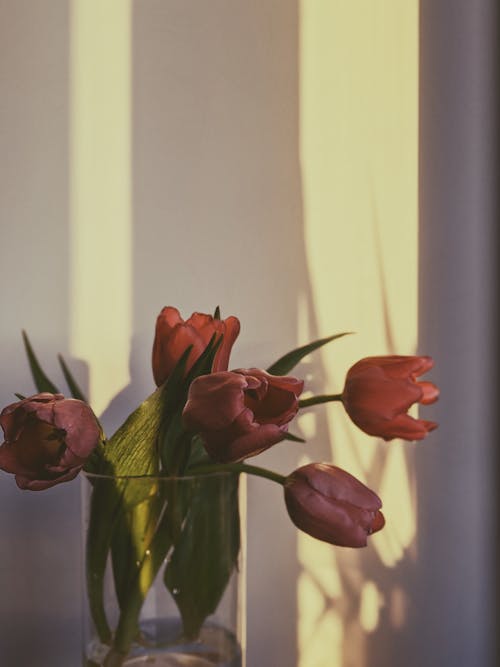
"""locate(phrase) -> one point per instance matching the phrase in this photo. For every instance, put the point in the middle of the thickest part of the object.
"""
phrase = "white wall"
(217, 219)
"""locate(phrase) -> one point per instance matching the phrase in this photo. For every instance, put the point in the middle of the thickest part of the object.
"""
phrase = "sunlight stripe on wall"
(359, 157)
(100, 200)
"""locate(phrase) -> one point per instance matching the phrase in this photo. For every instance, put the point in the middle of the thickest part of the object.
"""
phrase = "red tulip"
(241, 413)
(379, 390)
(174, 335)
(48, 438)
(332, 505)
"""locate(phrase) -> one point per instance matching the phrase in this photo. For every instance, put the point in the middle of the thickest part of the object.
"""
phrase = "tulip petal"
(378, 522)
(50, 438)
(10, 462)
(80, 425)
(332, 505)
(430, 393)
(214, 401)
(379, 391)
(173, 336)
(231, 332)
(250, 443)
(407, 428)
(335, 483)
(240, 413)
(335, 522)
(26, 483)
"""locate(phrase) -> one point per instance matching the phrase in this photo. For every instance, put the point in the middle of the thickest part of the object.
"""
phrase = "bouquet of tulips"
(202, 418)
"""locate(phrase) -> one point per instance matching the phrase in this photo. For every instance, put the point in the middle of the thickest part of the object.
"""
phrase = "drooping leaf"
(42, 382)
(131, 450)
(75, 390)
(288, 362)
(205, 555)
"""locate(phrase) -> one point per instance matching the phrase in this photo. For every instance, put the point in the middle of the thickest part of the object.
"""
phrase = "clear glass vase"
(163, 572)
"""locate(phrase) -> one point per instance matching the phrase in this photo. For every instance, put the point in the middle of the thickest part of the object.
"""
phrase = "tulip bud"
(330, 504)
(379, 390)
(48, 438)
(241, 413)
(174, 335)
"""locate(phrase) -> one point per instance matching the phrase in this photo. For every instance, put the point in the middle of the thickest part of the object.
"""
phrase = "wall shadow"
(39, 533)
(218, 220)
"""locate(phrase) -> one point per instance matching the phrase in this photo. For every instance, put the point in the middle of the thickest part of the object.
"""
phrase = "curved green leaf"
(75, 390)
(42, 382)
(288, 362)
(293, 438)
(206, 552)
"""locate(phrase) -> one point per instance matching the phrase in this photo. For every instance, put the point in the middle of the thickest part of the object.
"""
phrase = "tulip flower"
(241, 413)
(379, 390)
(48, 438)
(330, 504)
(174, 335)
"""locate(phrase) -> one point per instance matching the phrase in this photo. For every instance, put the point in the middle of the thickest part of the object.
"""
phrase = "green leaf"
(139, 547)
(42, 382)
(96, 463)
(139, 541)
(175, 440)
(75, 390)
(131, 450)
(217, 313)
(198, 453)
(21, 397)
(104, 506)
(150, 541)
(293, 438)
(288, 362)
(206, 552)
(175, 446)
(203, 365)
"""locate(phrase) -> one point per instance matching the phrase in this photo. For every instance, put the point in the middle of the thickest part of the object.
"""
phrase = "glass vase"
(163, 572)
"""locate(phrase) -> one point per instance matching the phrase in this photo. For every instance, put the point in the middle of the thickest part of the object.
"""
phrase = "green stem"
(316, 400)
(237, 467)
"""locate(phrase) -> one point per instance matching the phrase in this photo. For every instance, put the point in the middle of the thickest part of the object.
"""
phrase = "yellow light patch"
(100, 192)
(359, 158)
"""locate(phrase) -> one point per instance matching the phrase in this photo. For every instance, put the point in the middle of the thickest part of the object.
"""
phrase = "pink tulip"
(174, 335)
(48, 438)
(332, 505)
(379, 390)
(241, 413)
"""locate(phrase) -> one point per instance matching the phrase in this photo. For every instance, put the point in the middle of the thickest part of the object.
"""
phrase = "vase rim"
(158, 477)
